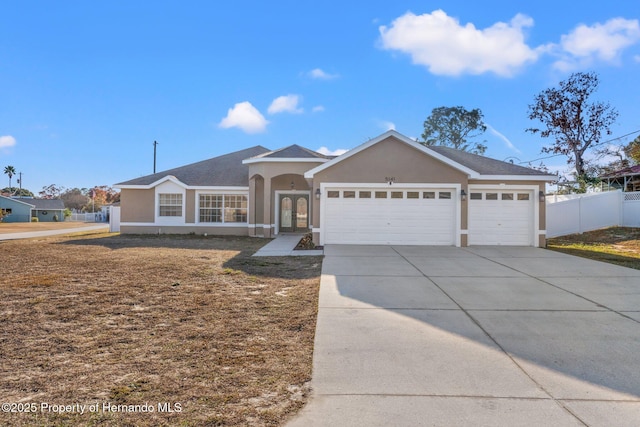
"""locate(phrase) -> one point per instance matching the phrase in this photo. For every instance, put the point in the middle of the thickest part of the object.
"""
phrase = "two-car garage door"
(399, 216)
(426, 216)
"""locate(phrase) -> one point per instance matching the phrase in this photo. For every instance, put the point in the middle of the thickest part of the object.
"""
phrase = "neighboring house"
(627, 179)
(22, 209)
(389, 190)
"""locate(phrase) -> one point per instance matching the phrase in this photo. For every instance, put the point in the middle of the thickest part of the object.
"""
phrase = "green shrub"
(34, 219)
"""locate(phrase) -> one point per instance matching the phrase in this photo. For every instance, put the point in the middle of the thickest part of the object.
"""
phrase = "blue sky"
(86, 87)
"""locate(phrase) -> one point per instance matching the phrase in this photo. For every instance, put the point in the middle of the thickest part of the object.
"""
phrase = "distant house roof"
(7, 200)
(43, 204)
(484, 165)
(222, 171)
(630, 171)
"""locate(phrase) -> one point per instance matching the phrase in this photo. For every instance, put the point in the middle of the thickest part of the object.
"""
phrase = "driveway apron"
(410, 335)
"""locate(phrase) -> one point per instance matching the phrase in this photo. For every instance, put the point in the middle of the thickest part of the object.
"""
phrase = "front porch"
(280, 204)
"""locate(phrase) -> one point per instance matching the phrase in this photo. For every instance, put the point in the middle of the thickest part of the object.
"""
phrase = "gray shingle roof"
(225, 170)
(484, 165)
(292, 152)
(43, 204)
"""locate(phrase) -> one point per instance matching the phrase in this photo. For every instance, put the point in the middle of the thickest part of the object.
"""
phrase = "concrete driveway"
(474, 336)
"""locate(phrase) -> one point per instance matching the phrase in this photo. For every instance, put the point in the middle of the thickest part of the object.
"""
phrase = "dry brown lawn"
(615, 245)
(193, 322)
(23, 227)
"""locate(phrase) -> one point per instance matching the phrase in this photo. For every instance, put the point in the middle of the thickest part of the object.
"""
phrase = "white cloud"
(285, 104)
(319, 74)
(245, 116)
(445, 47)
(7, 141)
(502, 137)
(327, 152)
(318, 109)
(599, 42)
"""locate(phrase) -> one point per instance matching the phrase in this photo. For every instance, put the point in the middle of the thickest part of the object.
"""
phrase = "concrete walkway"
(284, 245)
(32, 234)
(483, 336)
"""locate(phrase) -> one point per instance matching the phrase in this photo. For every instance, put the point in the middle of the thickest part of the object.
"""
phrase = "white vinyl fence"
(588, 212)
(88, 217)
(114, 219)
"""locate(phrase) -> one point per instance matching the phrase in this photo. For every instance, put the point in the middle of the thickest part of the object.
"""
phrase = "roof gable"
(223, 171)
(292, 153)
(400, 137)
(473, 165)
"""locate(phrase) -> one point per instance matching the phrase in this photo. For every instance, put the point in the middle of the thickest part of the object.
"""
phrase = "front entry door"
(294, 212)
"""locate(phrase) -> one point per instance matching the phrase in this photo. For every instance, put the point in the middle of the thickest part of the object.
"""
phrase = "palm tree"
(11, 171)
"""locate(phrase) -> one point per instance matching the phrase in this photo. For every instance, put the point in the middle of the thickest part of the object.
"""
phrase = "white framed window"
(210, 209)
(170, 204)
(235, 208)
(222, 208)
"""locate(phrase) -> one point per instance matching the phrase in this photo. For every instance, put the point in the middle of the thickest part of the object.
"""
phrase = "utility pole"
(20, 182)
(155, 144)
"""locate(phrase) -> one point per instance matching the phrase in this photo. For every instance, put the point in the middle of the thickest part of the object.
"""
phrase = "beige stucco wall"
(256, 205)
(283, 183)
(190, 207)
(271, 169)
(137, 205)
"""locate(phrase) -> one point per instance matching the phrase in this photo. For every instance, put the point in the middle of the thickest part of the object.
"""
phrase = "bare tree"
(574, 122)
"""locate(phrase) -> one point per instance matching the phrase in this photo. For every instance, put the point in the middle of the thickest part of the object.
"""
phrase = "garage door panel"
(501, 220)
(389, 220)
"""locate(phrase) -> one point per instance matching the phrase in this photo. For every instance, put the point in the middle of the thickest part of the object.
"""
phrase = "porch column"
(252, 207)
(268, 231)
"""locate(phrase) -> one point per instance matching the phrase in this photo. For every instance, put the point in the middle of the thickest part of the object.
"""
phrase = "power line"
(594, 145)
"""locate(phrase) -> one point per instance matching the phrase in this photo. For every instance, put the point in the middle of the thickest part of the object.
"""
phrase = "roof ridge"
(273, 153)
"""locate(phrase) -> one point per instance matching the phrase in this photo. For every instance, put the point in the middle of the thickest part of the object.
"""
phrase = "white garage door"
(423, 216)
(501, 217)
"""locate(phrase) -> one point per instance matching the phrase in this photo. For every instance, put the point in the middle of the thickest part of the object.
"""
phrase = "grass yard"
(187, 323)
(616, 245)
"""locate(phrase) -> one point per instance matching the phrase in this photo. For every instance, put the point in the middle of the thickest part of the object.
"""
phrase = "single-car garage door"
(501, 217)
(421, 216)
